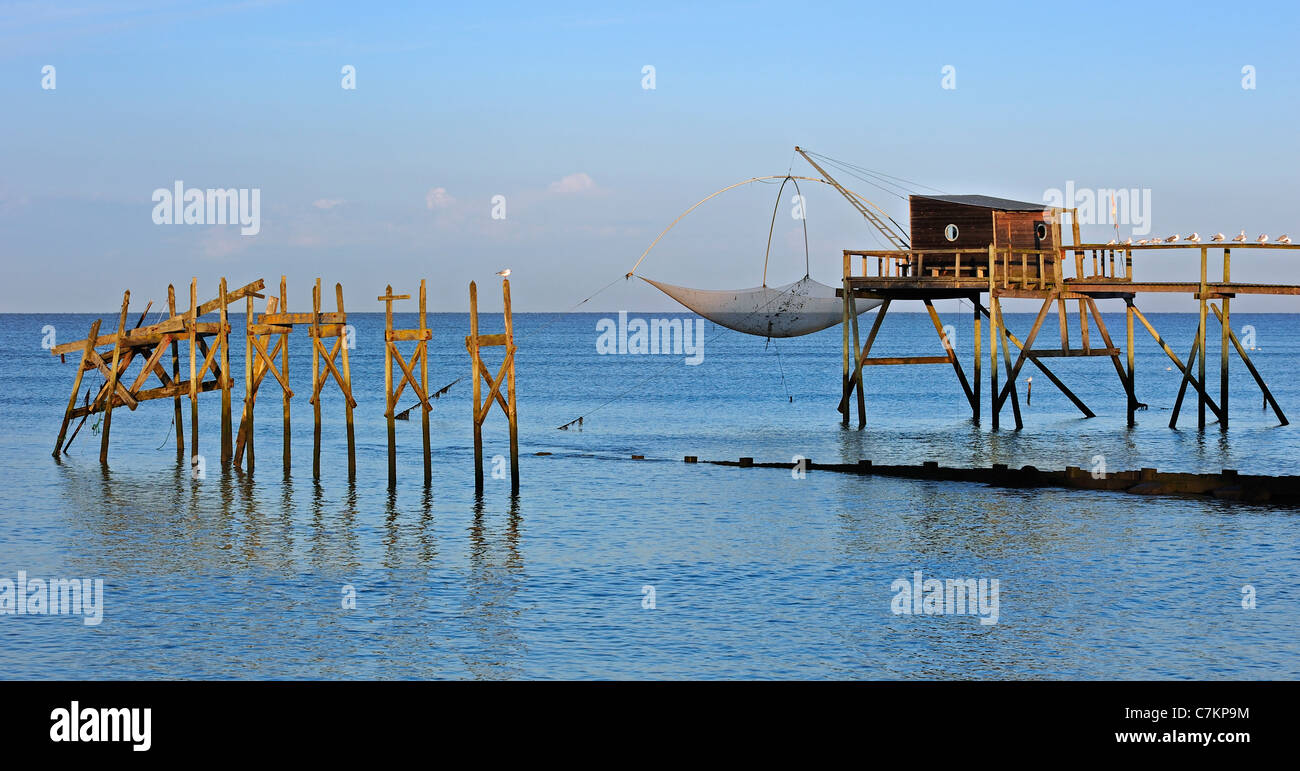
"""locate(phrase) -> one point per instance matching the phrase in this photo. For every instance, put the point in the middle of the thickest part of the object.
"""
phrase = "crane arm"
(864, 206)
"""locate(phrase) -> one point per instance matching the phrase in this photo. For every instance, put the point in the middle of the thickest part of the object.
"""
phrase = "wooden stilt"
(176, 376)
(250, 392)
(194, 371)
(315, 379)
(995, 406)
(1200, 340)
(1225, 325)
(862, 398)
(286, 395)
(424, 386)
(82, 365)
(389, 406)
(223, 340)
(111, 390)
(475, 365)
(1006, 358)
(979, 359)
(512, 413)
(845, 385)
(1132, 374)
(348, 404)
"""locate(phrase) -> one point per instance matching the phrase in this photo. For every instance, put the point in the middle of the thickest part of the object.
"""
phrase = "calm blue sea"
(754, 573)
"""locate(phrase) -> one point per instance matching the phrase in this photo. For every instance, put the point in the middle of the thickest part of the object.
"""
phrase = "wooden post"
(223, 340)
(1006, 357)
(389, 406)
(424, 386)
(1132, 378)
(246, 423)
(347, 385)
(478, 389)
(853, 320)
(112, 380)
(844, 333)
(1200, 341)
(510, 384)
(176, 376)
(284, 370)
(82, 363)
(194, 371)
(993, 341)
(1225, 326)
(315, 378)
(975, 386)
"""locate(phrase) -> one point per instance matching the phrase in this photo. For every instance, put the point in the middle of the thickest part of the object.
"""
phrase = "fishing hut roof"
(987, 202)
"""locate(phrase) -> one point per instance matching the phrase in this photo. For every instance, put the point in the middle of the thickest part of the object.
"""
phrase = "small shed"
(941, 222)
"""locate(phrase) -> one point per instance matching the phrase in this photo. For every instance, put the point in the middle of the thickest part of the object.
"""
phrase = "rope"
(656, 373)
(807, 270)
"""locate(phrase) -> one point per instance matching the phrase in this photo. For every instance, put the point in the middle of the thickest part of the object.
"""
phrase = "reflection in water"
(495, 576)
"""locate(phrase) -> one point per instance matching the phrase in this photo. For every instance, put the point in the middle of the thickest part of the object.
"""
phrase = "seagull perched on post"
(1194, 237)
(1216, 237)
(1240, 237)
(1128, 241)
(1263, 238)
(504, 273)
(1172, 238)
(1284, 239)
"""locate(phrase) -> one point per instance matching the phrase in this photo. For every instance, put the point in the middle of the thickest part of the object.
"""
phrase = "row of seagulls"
(1195, 238)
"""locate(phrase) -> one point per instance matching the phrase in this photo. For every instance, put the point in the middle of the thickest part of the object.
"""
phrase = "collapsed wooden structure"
(1004, 271)
(266, 352)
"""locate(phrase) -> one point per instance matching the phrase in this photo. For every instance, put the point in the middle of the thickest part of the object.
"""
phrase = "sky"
(545, 105)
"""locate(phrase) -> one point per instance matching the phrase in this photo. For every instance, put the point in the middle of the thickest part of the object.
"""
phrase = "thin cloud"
(438, 198)
(574, 183)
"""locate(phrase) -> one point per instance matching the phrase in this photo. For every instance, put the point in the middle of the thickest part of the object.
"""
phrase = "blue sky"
(515, 99)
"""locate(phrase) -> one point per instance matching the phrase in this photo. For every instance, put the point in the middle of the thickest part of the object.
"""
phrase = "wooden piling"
(246, 422)
(424, 386)
(1132, 375)
(512, 413)
(347, 386)
(475, 364)
(1200, 341)
(111, 390)
(979, 363)
(1225, 326)
(315, 379)
(223, 340)
(176, 376)
(82, 365)
(389, 406)
(286, 395)
(194, 370)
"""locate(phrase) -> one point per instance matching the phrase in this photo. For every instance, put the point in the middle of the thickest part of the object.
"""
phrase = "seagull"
(1111, 242)
(1194, 237)
(1128, 241)
(1171, 239)
(1240, 237)
(504, 273)
(1284, 239)
(1143, 242)
(1263, 238)
(1216, 237)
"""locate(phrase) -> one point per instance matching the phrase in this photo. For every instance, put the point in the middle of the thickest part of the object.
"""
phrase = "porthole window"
(950, 232)
(1041, 231)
